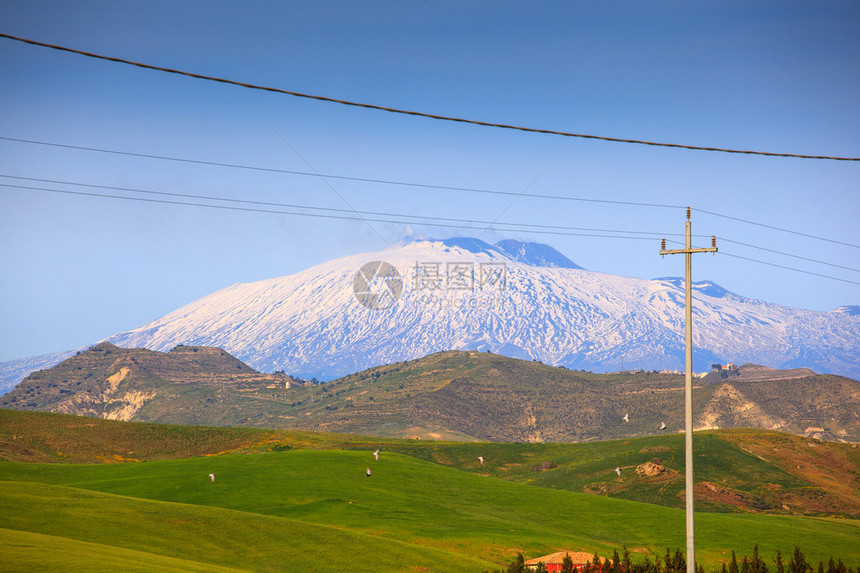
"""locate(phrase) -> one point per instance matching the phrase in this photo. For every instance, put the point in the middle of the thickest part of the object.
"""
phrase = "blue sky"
(774, 76)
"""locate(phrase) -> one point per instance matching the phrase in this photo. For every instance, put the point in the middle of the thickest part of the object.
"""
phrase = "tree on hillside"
(518, 565)
(755, 564)
(567, 564)
(615, 566)
(733, 564)
(675, 562)
(780, 565)
(838, 567)
(798, 562)
(625, 561)
(596, 564)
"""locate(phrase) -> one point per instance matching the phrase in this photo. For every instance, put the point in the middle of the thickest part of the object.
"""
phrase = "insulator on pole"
(688, 213)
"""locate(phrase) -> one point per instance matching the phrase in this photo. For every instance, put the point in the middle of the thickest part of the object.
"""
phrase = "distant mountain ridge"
(519, 299)
(543, 307)
(535, 254)
(454, 395)
(114, 383)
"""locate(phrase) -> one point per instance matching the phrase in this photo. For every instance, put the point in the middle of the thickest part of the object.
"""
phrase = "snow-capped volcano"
(524, 300)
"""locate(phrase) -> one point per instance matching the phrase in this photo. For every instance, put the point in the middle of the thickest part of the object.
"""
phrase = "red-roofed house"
(553, 561)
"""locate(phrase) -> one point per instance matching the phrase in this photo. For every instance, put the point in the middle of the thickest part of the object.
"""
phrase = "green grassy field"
(25, 552)
(208, 538)
(300, 500)
(316, 509)
(755, 470)
(766, 479)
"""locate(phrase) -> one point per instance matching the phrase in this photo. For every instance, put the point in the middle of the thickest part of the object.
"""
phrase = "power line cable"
(722, 252)
(316, 215)
(567, 231)
(343, 177)
(788, 268)
(530, 185)
(784, 230)
(783, 253)
(330, 209)
(410, 215)
(418, 185)
(418, 113)
(324, 180)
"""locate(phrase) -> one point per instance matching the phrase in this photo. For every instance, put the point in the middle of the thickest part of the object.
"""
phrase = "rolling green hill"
(316, 509)
(736, 470)
(300, 501)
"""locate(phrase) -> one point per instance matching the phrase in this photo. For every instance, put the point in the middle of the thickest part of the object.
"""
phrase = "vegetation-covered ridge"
(749, 471)
(448, 395)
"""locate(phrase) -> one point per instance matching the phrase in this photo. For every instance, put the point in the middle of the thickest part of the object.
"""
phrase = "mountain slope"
(449, 395)
(523, 300)
(189, 384)
(490, 397)
(519, 299)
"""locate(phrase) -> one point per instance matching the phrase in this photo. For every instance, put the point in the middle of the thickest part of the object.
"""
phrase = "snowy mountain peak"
(708, 288)
(523, 300)
(850, 310)
(534, 254)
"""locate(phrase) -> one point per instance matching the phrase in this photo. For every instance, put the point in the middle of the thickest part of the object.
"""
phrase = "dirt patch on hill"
(652, 472)
(755, 372)
(714, 493)
(655, 449)
(830, 466)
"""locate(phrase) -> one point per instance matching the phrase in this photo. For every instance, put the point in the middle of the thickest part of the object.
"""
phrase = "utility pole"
(688, 251)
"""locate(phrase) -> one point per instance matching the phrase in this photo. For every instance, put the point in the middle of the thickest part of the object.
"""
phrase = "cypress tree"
(668, 562)
(780, 566)
(595, 561)
(757, 564)
(682, 561)
(733, 564)
(798, 562)
(518, 565)
(567, 564)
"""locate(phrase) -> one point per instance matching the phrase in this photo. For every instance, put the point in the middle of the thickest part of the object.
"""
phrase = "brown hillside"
(460, 395)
